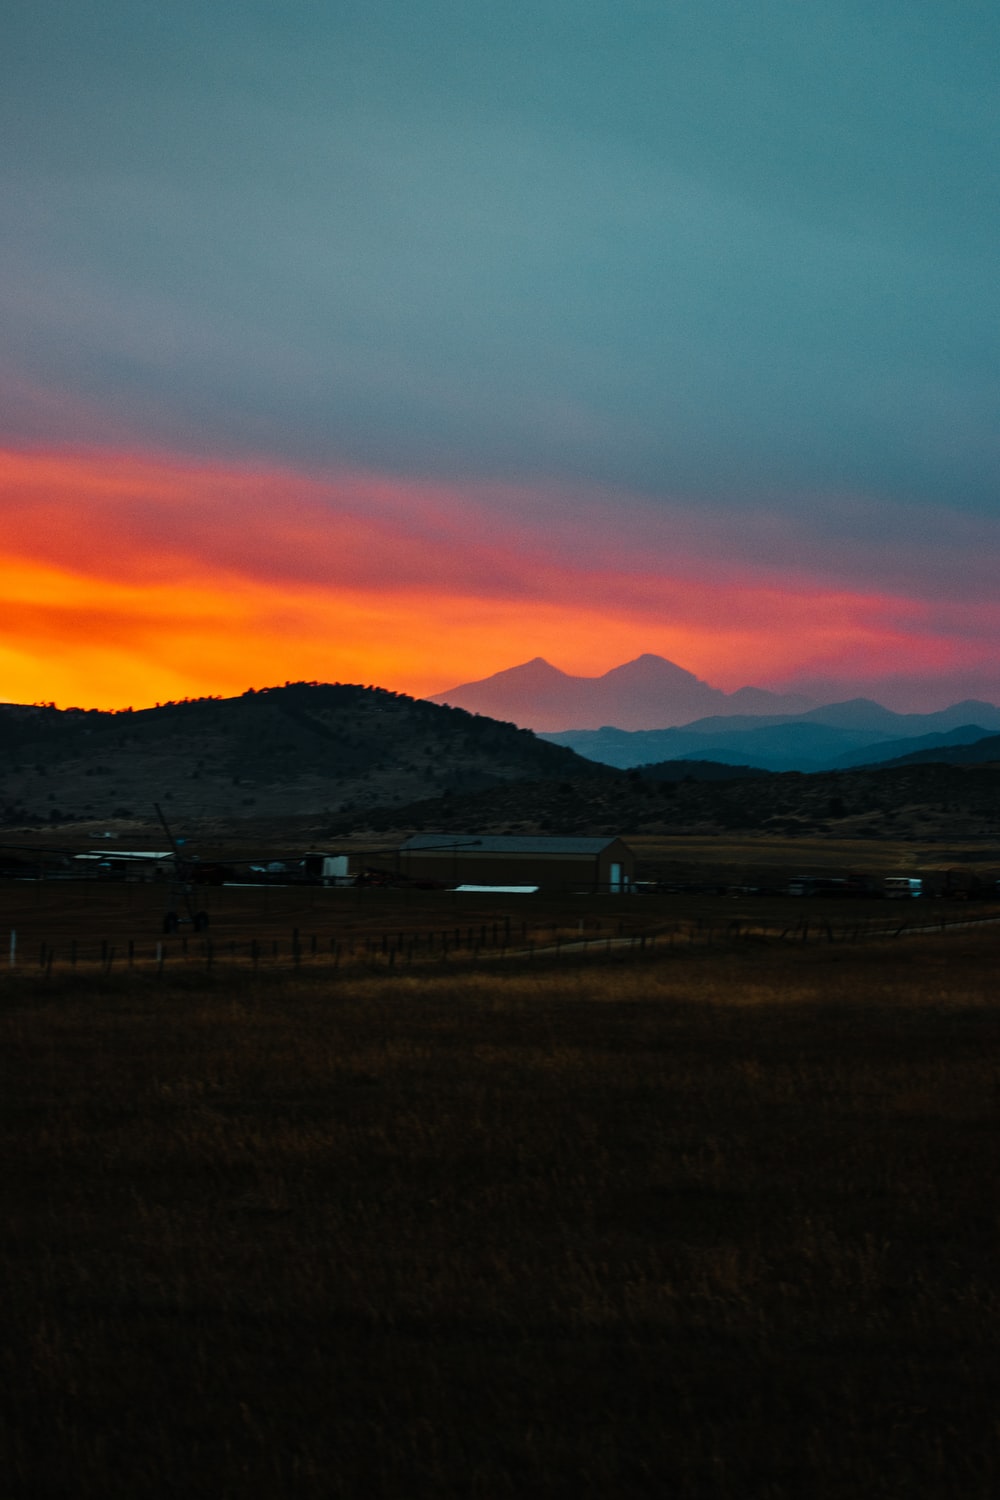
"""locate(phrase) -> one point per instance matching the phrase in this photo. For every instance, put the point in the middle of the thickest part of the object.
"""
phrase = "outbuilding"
(602, 864)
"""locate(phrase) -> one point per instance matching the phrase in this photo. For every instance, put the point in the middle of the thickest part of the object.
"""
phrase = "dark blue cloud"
(734, 253)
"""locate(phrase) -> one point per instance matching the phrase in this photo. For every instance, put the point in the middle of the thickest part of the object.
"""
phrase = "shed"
(602, 864)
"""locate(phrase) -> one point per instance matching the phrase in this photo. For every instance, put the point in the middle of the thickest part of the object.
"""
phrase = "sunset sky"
(400, 343)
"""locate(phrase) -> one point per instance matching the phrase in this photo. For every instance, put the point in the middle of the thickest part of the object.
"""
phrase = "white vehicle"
(903, 887)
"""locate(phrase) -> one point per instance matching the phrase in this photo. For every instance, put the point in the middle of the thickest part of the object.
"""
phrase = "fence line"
(487, 942)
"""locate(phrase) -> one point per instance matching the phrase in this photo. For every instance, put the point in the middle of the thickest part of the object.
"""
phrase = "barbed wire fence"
(486, 942)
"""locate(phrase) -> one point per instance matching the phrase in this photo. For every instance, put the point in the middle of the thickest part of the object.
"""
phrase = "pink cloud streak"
(422, 585)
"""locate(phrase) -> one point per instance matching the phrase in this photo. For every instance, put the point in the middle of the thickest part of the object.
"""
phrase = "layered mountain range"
(808, 743)
(647, 693)
(312, 761)
(651, 710)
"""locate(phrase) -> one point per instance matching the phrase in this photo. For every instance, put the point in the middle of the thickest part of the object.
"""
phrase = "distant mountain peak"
(536, 663)
(650, 658)
(537, 670)
(656, 670)
(648, 692)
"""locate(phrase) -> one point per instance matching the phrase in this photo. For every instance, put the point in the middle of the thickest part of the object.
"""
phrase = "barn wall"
(550, 871)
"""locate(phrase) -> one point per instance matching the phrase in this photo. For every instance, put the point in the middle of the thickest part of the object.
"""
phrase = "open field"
(711, 1222)
(767, 859)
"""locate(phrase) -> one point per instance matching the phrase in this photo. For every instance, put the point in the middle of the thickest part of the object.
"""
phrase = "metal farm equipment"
(181, 891)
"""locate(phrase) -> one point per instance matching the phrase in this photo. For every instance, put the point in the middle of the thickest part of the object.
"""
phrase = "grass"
(721, 1223)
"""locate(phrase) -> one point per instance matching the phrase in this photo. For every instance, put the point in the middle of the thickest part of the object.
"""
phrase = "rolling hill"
(935, 804)
(346, 759)
(299, 749)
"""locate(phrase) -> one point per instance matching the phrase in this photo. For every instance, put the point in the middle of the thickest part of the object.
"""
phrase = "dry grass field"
(712, 1221)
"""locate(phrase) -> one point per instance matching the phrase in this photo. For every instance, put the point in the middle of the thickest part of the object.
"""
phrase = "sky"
(398, 344)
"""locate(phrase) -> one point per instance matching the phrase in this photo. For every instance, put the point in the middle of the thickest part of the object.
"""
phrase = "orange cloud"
(131, 578)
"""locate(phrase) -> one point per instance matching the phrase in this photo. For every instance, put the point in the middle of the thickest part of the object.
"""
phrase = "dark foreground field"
(716, 1223)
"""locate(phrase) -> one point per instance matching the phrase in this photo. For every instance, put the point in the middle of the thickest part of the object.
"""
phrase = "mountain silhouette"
(647, 693)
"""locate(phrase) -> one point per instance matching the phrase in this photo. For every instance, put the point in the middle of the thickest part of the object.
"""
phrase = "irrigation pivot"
(182, 904)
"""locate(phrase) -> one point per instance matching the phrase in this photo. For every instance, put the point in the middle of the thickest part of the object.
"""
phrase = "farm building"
(602, 864)
(125, 864)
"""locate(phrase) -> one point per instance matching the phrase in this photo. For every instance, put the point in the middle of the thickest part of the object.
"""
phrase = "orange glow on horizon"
(130, 579)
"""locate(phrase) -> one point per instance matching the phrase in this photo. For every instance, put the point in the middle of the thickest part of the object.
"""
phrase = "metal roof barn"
(600, 864)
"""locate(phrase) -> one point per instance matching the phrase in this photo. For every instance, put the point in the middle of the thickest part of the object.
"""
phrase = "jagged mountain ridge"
(649, 692)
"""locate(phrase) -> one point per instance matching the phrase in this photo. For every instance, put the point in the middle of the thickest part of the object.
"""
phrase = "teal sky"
(737, 263)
